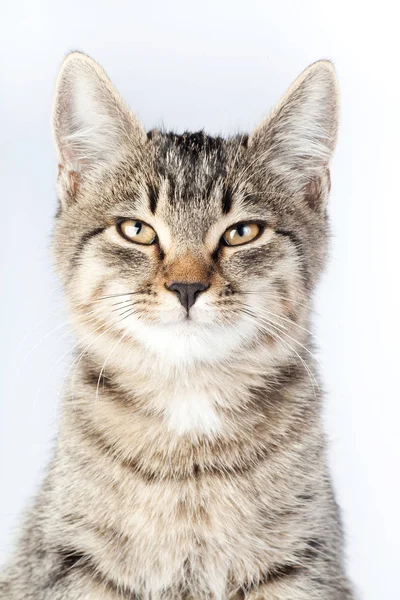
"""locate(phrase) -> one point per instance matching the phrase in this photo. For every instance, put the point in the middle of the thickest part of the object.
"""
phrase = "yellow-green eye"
(136, 231)
(242, 233)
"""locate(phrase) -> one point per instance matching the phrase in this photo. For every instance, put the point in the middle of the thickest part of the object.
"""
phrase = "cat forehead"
(189, 146)
(195, 157)
(183, 177)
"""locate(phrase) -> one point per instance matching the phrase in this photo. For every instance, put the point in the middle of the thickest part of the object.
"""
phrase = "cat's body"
(190, 462)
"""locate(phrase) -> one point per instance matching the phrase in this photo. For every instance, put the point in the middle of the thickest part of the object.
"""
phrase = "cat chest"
(203, 531)
(192, 412)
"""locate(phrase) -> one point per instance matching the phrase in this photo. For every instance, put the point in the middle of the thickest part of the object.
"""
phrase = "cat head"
(190, 247)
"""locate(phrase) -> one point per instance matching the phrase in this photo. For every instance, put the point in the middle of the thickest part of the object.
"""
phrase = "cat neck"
(207, 417)
(194, 398)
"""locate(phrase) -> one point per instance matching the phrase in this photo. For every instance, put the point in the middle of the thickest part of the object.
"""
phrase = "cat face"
(188, 246)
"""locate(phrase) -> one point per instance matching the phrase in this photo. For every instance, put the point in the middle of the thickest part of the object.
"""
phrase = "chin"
(190, 340)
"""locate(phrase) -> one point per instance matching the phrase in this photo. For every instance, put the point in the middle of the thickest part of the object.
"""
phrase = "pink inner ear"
(317, 190)
(71, 179)
(74, 181)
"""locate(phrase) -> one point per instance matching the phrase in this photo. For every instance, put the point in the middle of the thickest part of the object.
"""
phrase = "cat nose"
(187, 292)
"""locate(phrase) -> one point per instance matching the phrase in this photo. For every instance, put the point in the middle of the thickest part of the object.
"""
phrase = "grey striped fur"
(191, 460)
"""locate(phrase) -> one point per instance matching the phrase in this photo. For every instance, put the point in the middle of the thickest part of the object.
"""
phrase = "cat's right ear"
(92, 125)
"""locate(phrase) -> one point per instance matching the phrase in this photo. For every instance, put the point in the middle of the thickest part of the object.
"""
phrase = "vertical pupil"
(138, 227)
(242, 230)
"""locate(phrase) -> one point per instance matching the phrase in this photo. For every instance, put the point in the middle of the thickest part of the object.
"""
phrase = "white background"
(220, 65)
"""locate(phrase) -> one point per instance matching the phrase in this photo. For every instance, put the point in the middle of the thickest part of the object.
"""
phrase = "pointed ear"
(91, 123)
(296, 141)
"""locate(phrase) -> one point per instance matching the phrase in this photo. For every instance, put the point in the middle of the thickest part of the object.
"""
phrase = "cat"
(191, 460)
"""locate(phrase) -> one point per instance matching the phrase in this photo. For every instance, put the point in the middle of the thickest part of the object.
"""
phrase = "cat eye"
(241, 233)
(136, 231)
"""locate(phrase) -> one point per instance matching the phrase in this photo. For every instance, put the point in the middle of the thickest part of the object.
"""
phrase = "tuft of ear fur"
(296, 141)
(91, 123)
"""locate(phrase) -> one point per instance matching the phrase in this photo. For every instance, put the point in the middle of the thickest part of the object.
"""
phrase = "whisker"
(127, 304)
(115, 322)
(274, 296)
(306, 367)
(129, 314)
(125, 311)
(267, 312)
(284, 331)
(35, 346)
(58, 362)
(276, 333)
(105, 363)
(35, 328)
(118, 295)
(122, 302)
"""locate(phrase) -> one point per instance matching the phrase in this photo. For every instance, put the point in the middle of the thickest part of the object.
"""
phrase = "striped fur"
(191, 461)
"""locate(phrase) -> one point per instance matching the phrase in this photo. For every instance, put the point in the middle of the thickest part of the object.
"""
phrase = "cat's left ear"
(294, 144)
(92, 125)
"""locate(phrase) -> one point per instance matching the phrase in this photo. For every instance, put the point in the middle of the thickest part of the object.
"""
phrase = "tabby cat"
(190, 461)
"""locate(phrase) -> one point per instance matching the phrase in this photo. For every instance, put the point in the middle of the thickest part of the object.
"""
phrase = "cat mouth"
(187, 323)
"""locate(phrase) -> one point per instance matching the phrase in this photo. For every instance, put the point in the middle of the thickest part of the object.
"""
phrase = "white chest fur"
(191, 412)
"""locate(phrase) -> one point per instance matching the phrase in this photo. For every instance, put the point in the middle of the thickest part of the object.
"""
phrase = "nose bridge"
(188, 268)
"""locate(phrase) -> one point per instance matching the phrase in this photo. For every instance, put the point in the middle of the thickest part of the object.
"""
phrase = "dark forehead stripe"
(171, 187)
(195, 143)
(226, 200)
(153, 198)
(195, 165)
(191, 163)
